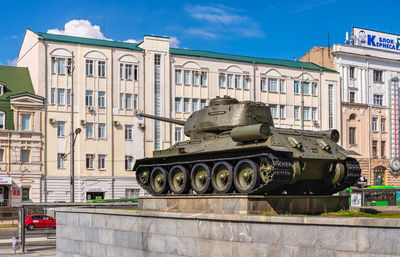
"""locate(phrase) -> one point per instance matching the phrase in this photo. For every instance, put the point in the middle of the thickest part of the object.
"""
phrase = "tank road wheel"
(158, 181)
(222, 177)
(179, 179)
(143, 176)
(246, 176)
(200, 178)
(266, 170)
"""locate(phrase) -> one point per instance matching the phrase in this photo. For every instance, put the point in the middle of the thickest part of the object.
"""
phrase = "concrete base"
(245, 204)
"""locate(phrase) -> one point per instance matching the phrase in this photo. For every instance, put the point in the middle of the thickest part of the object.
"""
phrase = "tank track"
(352, 175)
(282, 172)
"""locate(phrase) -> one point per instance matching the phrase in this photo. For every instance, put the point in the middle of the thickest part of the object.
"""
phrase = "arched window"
(2, 120)
(2, 86)
(352, 116)
(379, 174)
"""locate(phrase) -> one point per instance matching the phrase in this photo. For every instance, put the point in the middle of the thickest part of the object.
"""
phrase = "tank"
(234, 147)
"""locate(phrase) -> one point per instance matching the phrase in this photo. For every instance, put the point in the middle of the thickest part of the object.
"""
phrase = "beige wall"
(319, 55)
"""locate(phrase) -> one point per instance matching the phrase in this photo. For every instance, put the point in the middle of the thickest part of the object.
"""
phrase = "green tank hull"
(235, 148)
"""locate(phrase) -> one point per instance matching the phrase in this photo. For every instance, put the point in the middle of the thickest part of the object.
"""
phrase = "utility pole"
(72, 132)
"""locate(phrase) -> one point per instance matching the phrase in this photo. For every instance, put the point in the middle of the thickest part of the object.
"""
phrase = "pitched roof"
(185, 52)
(16, 80)
(88, 41)
(247, 59)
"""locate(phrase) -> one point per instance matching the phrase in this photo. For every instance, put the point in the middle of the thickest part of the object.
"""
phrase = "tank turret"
(235, 147)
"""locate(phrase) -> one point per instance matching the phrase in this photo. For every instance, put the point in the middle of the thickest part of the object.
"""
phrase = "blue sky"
(274, 29)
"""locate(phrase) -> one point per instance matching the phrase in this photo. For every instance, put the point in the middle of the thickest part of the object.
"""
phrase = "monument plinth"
(244, 204)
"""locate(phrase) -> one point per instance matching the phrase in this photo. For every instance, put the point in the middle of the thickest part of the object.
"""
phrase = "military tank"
(234, 148)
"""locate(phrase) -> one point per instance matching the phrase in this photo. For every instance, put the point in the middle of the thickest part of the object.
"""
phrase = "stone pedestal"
(245, 204)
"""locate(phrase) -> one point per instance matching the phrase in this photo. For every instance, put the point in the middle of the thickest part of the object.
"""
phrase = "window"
(135, 101)
(230, 81)
(157, 59)
(374, 124)
(297, 112)
(58, 65)
(203, 103)
(330, 106)
(178, 134)
(383, 145)
(121, 101)
(69, 97)
(1, 89)
(282, 112)
(101, 71)
(378, 99)
(61, 96)
(306, 88)
(121, 71)
(282, 87)
(128, 71)
(178, 104)
(89, 130)
(272, 87)
(52, 96)
(26, 122)
(2, 119)
(263, 84)
(128, 132)
(383, 124)
(25, 194)
(102, 161)
(186, 77)
(60, 161)
(1, 155)
(314, 88)
(128, 101)
(25, 154)
(352, 116)
(306, 113)
(274, 111)
(351, 72)
(352, 136)
(89, 68)
(128, 162)
(374, 148)
(135, 72)
(132, 193)
(186, 105)
(222, 80)
(237, 82)
(352, 97)
(246, 83)
(195, 78)
(101, 131)
(60, 128)
(314, 113)
(195, 104)
(89, 161)
(101, 99)
(203, 79)
(296, 87)
(89, 98)
(378, 76)
(178, 77)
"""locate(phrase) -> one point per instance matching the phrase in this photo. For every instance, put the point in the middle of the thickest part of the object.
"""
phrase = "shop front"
(5, 184)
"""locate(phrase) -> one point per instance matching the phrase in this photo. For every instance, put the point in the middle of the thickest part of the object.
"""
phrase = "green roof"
(16, 82)
(185, 52)
(88, 41)
(247, 59)
(26, 94)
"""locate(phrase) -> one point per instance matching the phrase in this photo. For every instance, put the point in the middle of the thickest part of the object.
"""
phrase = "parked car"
(39, 221)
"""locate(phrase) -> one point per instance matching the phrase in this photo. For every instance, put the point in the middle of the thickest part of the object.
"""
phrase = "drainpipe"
(254, 81)
(144, 99)
(319, 99)
(170, 99)
(112, 126)
(369, 124)
(45, 117)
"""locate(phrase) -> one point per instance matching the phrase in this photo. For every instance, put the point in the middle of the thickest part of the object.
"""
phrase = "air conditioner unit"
(316, 123)
(116, 123)
(141, 125)
(52, 121)
(83, 122)
(90, 108)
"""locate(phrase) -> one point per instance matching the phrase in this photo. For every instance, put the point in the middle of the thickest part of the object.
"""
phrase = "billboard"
(376, 40)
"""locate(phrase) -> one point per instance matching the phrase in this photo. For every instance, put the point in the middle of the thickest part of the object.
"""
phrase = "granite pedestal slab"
(244, 204)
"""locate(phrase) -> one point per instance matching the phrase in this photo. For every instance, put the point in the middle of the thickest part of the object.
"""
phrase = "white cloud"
(80, 28)
(174, 42)
(220, 14)
(131, 41)
(310, 4)
(201, 32)
(12, 62)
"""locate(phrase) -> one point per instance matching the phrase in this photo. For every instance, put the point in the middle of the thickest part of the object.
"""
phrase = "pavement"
(42, 251)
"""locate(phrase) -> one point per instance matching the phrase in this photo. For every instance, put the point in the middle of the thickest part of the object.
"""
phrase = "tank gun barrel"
(155, 117)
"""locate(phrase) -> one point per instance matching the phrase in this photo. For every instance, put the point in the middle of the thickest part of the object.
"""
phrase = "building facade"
(109, 80)
(21, 139)
(369, 87)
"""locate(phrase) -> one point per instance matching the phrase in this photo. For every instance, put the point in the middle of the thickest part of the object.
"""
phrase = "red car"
(39, 221)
